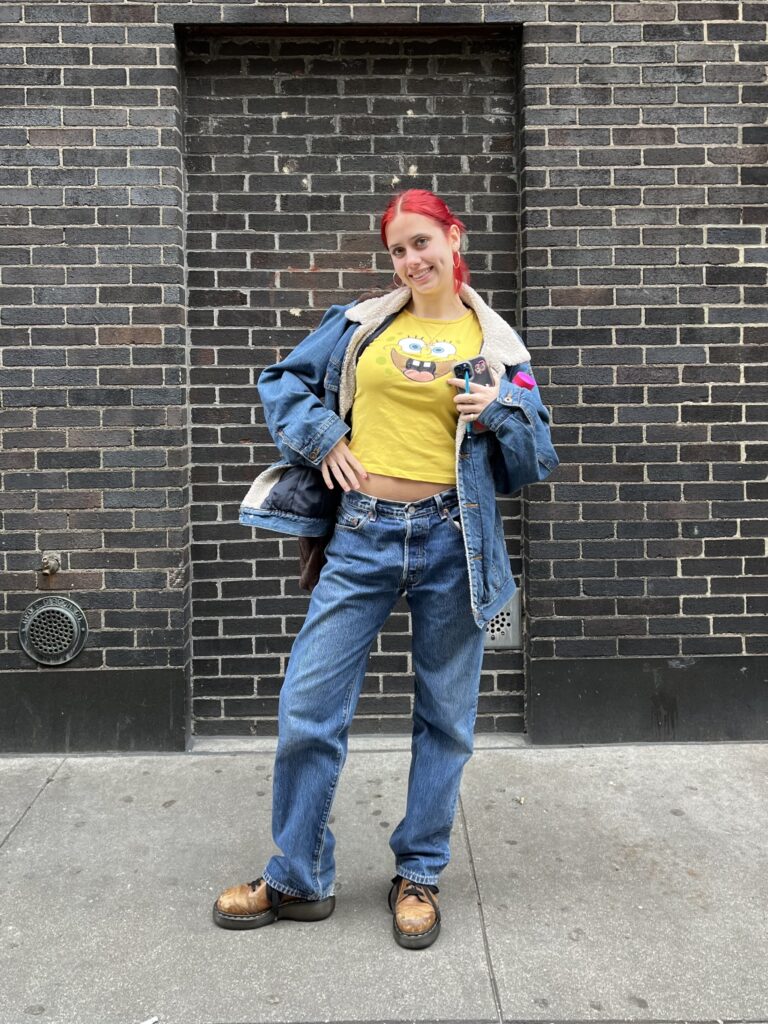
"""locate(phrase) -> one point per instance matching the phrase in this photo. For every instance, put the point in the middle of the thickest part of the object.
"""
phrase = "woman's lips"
(421, 277)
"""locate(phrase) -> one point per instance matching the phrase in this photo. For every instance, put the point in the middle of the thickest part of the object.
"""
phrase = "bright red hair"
(419, 200)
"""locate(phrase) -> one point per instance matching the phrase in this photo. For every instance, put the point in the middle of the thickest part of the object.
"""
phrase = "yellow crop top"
(403, 414)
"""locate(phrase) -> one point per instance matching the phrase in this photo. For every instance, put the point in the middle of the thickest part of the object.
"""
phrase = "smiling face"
(422, 253)
(423, 361)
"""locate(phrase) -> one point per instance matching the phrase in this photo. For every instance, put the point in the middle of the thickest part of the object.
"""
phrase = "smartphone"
(478, 369)
(479, 373)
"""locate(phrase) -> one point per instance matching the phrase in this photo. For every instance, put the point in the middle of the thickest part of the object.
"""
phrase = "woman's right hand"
(345, 467)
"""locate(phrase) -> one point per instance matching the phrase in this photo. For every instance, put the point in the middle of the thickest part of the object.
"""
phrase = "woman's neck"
(436, 308)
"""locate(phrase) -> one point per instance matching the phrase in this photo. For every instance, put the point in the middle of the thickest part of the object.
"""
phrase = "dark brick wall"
(640, 151)
(93, 416)
(645, 271)
(291, 146)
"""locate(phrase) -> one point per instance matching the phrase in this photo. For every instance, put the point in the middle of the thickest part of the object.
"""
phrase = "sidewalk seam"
(31, 804)
(486, 944)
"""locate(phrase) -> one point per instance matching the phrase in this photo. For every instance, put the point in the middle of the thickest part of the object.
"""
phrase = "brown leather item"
(254, 904)
(311, 560)
(244, 899)
(417, 916)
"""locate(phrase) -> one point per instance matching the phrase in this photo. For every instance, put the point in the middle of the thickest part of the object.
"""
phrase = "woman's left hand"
(471, 404)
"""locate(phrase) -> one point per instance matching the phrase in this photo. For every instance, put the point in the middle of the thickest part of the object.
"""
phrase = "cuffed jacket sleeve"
(302, 427)
(520, 421)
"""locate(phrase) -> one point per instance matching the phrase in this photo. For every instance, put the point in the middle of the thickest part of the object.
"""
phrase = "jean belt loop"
(440, 506)
(373, 508)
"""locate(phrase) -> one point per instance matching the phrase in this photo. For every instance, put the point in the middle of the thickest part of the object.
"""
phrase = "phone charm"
(524, 380)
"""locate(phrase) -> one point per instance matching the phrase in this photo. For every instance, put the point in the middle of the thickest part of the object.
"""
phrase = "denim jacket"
(307, 399)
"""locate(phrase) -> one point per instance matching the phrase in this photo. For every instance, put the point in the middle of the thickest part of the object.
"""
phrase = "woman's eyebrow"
(417, 235)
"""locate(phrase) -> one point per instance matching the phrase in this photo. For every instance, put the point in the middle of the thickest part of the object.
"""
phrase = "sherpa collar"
(502, 345)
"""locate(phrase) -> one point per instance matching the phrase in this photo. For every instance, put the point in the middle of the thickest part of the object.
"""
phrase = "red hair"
(419, 200)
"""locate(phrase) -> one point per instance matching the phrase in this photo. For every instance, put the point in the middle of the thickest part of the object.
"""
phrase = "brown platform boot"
(416, 915)
(253, 904)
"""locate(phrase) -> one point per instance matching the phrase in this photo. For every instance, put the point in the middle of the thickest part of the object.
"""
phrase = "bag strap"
(374, 334)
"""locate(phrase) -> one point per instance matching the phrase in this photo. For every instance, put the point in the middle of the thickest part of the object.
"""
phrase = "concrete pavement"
(602, 883)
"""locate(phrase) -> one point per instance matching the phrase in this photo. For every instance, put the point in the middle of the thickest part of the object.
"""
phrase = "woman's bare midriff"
(397, 488)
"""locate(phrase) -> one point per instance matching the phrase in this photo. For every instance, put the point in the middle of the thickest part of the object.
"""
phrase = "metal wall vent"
(504, 630)
(53, 630)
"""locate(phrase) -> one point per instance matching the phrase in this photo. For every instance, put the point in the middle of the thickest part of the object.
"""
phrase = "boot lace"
(414, 888)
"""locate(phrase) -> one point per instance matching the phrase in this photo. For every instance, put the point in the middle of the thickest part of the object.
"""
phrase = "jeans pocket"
(352, 518)
(454, 516)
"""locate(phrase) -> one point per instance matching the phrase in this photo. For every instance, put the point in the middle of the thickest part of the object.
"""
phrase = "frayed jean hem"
(419, 879)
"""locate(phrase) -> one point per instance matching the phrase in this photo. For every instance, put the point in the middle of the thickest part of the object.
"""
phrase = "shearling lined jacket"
(307, 399)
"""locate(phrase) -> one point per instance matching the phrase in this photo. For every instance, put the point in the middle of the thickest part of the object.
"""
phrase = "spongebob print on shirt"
(403, 415)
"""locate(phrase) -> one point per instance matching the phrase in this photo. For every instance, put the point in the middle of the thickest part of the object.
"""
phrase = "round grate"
(53, 630)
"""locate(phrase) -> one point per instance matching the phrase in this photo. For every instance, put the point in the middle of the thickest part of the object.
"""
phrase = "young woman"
(416, 515)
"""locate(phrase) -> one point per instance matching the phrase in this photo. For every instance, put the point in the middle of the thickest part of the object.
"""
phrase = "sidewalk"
(606, 883)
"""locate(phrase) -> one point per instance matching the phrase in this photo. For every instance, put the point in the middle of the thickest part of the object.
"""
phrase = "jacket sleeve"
(520, 421)
(291, 391)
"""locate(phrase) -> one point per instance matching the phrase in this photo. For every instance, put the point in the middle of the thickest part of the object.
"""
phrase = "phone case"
(481, 374)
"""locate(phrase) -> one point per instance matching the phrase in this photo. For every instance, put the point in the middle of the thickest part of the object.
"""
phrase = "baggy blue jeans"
(379, 550)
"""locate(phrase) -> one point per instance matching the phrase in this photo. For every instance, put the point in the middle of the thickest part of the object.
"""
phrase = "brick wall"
(94, 459)
(639, 150)
(292, 146)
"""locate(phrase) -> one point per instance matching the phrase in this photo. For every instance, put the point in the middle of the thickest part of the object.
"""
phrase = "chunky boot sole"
(419, 941)
(295, 910)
